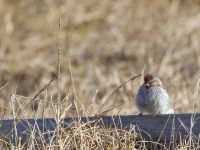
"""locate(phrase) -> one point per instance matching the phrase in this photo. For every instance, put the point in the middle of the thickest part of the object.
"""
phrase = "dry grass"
(93, 134)
(106, 43)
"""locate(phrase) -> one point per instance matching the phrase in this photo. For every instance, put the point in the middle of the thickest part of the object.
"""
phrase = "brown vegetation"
(103, 43)
(107, 42)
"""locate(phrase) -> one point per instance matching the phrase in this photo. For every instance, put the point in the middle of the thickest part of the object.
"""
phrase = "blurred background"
(103, 43)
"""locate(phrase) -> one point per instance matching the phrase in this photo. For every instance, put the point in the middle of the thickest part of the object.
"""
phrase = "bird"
(152, 98)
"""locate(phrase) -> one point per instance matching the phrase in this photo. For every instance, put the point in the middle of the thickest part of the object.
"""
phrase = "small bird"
(152, 98)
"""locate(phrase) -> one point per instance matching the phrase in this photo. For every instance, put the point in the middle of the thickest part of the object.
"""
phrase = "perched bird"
(152, 98)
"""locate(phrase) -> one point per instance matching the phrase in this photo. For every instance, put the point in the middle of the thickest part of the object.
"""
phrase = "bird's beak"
(147, 85)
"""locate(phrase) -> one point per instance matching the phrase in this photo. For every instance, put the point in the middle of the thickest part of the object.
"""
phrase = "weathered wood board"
(164, 128)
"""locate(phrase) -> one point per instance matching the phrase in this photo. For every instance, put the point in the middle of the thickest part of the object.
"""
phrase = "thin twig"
(4, 86)
(41, 90)
(76, 99)
(116, 91)
(59, 65)
(108, 110)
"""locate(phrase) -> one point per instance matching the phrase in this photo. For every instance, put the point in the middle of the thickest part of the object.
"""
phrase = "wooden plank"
(163, 127)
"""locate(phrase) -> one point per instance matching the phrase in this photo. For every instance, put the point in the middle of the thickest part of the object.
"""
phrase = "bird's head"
(148, 77)
(151, 81)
